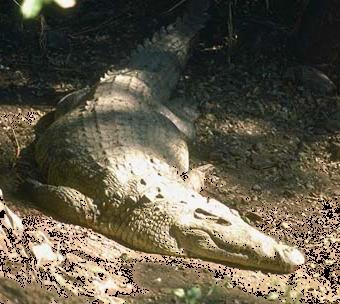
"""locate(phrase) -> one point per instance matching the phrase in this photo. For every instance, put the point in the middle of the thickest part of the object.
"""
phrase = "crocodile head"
(211, 231)
(174, 220)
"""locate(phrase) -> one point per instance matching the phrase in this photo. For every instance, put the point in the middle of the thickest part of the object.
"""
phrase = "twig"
(174, 7)
(230, 30)
(16, 2)
(17, 146)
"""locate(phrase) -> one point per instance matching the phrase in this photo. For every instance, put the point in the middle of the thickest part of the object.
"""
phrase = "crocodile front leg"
(71, 101)
(65, 202)
(172, 220)
(186, 127)
(195, 178)
(182, 113)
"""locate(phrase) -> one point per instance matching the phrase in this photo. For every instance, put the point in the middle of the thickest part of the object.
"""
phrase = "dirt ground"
(275, 148)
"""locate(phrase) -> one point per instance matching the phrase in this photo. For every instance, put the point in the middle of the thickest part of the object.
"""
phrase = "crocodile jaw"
(211, 231)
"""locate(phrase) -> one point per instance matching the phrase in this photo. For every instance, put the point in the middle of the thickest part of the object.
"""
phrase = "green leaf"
(179, 292)
(31, 8)
(194, 293)
(65, 3)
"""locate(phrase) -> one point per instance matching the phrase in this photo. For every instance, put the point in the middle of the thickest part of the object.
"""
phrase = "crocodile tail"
(187, 27)
(163, 57)
(175, 38)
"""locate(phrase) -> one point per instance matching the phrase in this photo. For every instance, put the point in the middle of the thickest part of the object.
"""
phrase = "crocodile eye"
(205, 215)
(222, 221)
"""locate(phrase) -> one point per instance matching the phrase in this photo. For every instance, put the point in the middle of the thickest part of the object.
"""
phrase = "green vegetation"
(189, 296)
(31, 8)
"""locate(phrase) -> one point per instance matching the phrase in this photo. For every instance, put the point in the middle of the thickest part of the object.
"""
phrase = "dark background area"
(309, 29)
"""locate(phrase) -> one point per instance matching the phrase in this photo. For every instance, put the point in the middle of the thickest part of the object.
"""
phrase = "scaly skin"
(112, 161)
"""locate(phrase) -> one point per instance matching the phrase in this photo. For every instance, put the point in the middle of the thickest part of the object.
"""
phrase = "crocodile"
(114, 156)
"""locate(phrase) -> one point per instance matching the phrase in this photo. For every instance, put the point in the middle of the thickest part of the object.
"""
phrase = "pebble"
(44, 254)
(285, 225)
(337, 192)
(257, 187)
(254, 217)
(312, 79)
(309, 186)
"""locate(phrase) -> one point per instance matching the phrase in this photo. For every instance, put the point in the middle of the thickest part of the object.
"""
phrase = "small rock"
(312, 265)
(254, 217)
(312, 79)
(257, 187)
(285, 225)
(309, 186)
(337, 192)
(44, 254)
